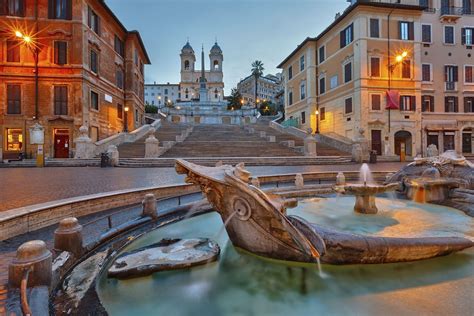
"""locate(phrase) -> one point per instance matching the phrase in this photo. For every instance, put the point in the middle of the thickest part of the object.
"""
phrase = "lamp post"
(317, 121)
(125, 117)
(398, 60)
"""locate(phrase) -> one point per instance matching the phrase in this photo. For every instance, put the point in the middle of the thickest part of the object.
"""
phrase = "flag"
(393, 100)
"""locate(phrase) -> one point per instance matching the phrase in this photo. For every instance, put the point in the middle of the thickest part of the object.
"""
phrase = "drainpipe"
(317, 89)
(36, 57)
(389, 67)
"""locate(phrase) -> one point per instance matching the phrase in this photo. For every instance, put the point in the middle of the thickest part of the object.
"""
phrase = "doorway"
(61, 143)
(377, 141)
(405, 138)
(467, 142)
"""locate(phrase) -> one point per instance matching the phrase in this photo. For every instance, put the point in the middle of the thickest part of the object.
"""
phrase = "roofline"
(124, 29)
(261, 77)
(343, 16)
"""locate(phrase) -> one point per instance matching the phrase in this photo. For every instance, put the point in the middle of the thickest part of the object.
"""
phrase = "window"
(322, 85)
(290, 73)
(119, 46)
(348, 106)
(451, 77)
(376, 100)
(136, 115)
(467, 36)
(303, 117)
(334, 82)
(347, 72)
(12, 7)
(119, 111)
(186, 65)
(426, 72)
(120, 78)
(136, 58)
(94, 101)
(469, 105)
(468, 78)
(14, 139)
(322, 114)
(406, 31)
(302, 63)
(13, 99)
(448, 34)
(426, 33)
(60, 100)
(93, 21)
(322, 54)
(406, 69)
(290, 98)
(216, 65)
(407, 103)
(374, 28)
(347, 36)
(427, 103)
(13, 52)
(374, 66)
(166, 91)
(60, 53)
(60, 9)
(451, 104)
(303, 91)
(94, 62)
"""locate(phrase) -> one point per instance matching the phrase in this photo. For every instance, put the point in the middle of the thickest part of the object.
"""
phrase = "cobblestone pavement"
(27, 186)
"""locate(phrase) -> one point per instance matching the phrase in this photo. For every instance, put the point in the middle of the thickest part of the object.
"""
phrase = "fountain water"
(365, 174)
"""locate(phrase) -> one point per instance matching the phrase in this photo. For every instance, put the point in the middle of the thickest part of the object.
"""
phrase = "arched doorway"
(403, 137)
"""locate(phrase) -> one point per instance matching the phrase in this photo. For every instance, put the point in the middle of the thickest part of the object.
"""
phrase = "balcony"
(451, 14)
(416, 3)
(450, 86)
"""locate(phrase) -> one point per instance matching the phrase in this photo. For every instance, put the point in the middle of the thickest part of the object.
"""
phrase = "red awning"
(393, 100)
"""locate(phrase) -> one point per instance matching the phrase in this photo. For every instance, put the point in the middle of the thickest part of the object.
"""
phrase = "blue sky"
(246, 30)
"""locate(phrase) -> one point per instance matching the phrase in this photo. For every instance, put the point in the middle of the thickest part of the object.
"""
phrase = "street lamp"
(317, 121)
(125, 125)
(399, 59)
(29, 42)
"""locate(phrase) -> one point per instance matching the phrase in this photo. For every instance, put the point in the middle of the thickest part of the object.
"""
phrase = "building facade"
(398, 70)
(161, 95)
(65, 64)
(268, 87)
(190, 75)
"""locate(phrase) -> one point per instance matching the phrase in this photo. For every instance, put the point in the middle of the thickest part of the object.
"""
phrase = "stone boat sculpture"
(257, 222)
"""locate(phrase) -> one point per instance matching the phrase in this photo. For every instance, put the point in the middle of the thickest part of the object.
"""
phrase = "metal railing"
(450, 86)
(452, 11)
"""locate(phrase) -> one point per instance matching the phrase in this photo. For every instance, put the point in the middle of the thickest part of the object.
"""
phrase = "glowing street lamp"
(125, 125)
(317, 121)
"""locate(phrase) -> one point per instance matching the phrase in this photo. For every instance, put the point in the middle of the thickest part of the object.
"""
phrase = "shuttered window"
(407, 103)
(374, 28)
(120, 78)
(427, 103)
(347, 36)
(406, 30)
(322, 85)
(119, 111)
(468, 76)
(60, 9)
(13, 99)
(426, 72)
(451, 104)
(376, 101)
(322, 54)
(12, 7)
(322, 114)
(347, 72)
(348, 106)
(13, 52)
(60, 100)
(448, 34)
(94, 100)
(60, 53)
(120, 47)
(406, 69)
(93, 21)
(375, 66)
(426, 33)
(467, 36)
(94, 62)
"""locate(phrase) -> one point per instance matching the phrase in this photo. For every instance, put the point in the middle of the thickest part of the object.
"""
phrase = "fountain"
(262, 226)
(366, 191)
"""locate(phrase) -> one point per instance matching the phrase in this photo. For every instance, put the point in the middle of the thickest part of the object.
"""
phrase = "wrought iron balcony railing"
(450, 86)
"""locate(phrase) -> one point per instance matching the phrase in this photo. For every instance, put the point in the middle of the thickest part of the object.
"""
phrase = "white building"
(161, 94)
(268, 87)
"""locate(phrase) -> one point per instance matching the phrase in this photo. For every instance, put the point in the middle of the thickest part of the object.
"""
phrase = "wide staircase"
(227, 141)
(166, 133)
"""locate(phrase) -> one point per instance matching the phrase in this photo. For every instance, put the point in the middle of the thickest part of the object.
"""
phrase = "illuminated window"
(14, 139)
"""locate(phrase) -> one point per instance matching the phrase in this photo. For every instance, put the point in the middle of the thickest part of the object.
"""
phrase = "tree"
(267, 108)
(151, 109)
(257, 72)
(234, 100)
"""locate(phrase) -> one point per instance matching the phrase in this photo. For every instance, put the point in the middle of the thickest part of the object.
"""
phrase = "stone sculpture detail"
(257, 222)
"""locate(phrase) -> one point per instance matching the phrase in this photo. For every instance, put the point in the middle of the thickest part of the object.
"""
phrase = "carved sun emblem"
(242, 208)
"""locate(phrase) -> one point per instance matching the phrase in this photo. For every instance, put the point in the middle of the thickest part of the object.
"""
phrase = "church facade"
(191, 77)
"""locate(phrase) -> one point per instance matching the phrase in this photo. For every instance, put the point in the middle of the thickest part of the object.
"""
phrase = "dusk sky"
(246, 30)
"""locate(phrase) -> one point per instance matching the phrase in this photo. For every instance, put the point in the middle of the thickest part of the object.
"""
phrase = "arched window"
(216, 64)
(187, 93)
(216, 93)
(186, 65)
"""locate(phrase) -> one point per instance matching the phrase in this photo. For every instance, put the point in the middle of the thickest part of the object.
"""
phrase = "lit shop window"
(14, 139)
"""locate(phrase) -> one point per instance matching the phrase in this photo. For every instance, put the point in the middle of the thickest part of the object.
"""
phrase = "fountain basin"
(425, 190)
(365, 195)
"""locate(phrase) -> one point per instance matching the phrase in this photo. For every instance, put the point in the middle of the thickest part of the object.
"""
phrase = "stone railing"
(86, 149)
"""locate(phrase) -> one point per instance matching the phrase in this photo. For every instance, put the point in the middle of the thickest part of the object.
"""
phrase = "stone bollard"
(114, 156)
(263, 134)
(299, 181)
(68, 236)
(271, 139)
(84, 145)
(255, 182)
(310, 144)
(34, 255)
(219, 163)
(340, 179)
(152, 147)
(149, 206)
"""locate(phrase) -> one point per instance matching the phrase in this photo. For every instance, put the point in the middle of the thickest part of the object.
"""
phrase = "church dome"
(187, 49)
(216, 49)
